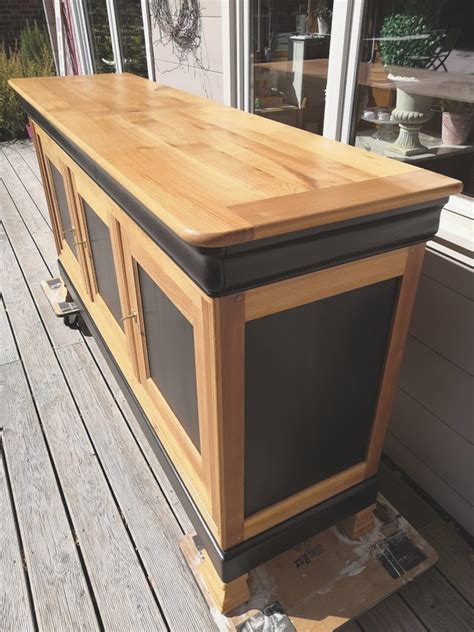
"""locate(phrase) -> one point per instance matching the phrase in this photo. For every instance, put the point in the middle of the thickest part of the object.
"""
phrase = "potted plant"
(457, 119)
(408, 42)
(323, 14)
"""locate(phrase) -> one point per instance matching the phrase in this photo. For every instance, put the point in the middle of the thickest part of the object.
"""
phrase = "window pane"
(101, 246)
(415, 94)
(170, 344)
(132, 39)
(99, 35)
(290, 50)
(61, 200)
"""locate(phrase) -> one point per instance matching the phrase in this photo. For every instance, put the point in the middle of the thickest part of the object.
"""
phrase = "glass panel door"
(414, 98)
(290, 43)
(103, 261)
(99, 34)
(131, 36)
(115, 30)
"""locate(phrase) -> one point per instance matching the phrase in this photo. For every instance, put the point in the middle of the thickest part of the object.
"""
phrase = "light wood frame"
(214, 475)
(49, 153)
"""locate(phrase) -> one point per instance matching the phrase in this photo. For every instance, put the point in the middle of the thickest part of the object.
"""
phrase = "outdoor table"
(251, 284)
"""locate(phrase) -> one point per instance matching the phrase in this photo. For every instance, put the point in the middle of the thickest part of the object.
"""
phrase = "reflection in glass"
(103, 258)
(99, 35)
(290, 49)
(61, 199)
(415, 96)
(131, 35)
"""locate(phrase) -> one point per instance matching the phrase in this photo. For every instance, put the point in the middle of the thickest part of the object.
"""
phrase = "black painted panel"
(170, 344)
(102, 255)
(311, 381)
(63, 207)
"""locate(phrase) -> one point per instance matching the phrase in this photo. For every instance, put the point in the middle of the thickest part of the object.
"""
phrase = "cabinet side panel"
(311, 381)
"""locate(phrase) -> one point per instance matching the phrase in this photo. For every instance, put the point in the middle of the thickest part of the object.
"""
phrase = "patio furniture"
(252, 285)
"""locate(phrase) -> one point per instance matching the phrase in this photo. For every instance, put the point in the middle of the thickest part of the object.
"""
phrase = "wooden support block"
(321, 583)
(360, 523)
(226, 597)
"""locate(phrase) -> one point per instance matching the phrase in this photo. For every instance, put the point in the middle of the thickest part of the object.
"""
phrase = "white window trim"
(81, 37)
(147, 34)
(116, 48)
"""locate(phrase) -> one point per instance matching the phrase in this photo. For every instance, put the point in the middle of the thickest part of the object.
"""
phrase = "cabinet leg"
(359, 523)
(225, 596)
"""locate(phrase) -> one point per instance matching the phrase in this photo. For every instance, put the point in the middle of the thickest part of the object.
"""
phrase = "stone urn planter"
(411, 112)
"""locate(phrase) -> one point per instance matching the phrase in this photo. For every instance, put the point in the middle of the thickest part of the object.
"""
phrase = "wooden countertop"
(215, 175)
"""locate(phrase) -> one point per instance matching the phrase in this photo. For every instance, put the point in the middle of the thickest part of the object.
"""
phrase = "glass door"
(414, 92)
(117, 36)
(290, 44)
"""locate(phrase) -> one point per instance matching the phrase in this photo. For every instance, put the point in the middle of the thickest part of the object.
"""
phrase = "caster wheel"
(72, 321)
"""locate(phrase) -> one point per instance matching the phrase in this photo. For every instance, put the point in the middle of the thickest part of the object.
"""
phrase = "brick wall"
(15, 15)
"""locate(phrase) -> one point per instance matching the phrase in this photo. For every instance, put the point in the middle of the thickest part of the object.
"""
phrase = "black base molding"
(240, 559)
(224, 270)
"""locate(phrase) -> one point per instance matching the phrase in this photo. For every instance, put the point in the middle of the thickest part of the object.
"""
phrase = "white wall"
(205, 76)
(431, 433)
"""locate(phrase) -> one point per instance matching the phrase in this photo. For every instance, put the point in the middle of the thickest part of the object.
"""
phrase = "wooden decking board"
(438, 604)
(27, 152)
(8, 350)
(137, 433)
(59, 589)
(15, 610)
(392, 615)
(149, 519)
(456, 557)
(28, 210)
(30, 312)
(108, 552)
(32, 185)
(34, 269)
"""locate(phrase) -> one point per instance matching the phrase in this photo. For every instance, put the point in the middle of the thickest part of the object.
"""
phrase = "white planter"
(323, 26)
(411, 112)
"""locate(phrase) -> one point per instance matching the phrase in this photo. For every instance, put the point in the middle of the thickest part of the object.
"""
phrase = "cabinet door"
(57, 176)
(104, 260)
(164, 331)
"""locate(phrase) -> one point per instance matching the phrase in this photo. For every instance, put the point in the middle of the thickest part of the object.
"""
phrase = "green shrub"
(32, 59)
(408, 53)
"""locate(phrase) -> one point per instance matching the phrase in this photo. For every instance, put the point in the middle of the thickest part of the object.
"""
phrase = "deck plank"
(60, 594)
(8, 350)
(391, 615)
(168, 491)
(456, 557)
(120, 587)
(28, 210)
(437, 604)
(15, 611)
(26, 149)
(149, 518)
(34, 269)
(28, 179)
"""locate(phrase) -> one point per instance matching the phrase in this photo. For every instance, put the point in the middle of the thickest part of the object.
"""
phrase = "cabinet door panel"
(103, 261)
(170, 354)
(67, 224)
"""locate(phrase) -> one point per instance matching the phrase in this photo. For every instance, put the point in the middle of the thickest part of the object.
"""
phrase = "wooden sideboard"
(251, 285)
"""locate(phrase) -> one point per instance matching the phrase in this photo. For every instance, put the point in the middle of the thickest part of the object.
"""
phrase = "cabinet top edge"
(217, 176)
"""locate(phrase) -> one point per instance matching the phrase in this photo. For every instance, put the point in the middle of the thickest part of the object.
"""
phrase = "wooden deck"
(89, 525)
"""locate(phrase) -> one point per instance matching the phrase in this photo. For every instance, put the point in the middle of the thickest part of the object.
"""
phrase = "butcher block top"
(217, 176)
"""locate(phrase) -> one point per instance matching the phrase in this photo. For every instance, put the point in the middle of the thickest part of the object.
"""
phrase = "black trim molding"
(220, 271)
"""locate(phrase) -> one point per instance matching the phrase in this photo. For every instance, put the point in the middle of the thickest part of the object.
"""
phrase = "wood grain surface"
(215, 175)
